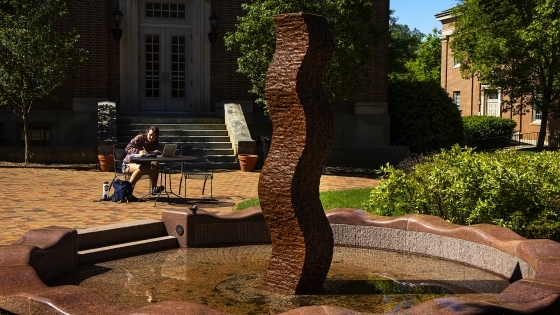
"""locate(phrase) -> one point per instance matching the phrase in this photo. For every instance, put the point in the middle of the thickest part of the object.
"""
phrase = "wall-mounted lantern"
(213, 36)
(117, 19)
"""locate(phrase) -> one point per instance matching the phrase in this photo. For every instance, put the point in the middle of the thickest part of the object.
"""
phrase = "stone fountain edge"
(44, 253)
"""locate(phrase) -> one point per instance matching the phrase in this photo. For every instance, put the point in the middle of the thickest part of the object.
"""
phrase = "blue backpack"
(122, 191)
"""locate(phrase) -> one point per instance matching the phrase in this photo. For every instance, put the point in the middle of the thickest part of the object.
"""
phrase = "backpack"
(122, 191)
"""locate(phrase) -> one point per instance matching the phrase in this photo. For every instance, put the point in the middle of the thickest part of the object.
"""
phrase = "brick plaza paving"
(39, 197)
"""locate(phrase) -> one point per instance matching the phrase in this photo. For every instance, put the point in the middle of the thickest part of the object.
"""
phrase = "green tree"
(513, 45)
(426, 66)
(354, 35)
(403, 45)
(35, 57)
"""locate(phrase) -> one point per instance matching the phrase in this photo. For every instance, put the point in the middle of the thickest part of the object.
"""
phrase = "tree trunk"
(542, 131)
(25, 135)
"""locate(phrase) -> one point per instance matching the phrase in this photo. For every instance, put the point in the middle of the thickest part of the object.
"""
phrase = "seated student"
(144, 143)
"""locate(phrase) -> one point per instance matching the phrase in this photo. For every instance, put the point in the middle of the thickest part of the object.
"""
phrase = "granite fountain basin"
(531, 266)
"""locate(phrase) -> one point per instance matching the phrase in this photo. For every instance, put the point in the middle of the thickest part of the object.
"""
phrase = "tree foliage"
(403, 45)
(423, 115)
(426, 66)
(513, 45)
(354, 37)
(35, 57)
(412, 55)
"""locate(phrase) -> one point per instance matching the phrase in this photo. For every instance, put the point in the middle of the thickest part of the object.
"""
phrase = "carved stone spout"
(302, 137)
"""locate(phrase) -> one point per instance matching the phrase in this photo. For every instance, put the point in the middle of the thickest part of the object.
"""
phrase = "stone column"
(302, 137)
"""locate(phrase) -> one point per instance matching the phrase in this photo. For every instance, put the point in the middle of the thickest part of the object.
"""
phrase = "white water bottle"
(105, 192)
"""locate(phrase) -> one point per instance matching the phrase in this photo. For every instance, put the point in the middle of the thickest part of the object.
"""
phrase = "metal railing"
(515, 142)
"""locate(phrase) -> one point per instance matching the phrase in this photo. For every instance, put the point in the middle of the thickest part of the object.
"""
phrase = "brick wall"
(98, 76)
(225, 82)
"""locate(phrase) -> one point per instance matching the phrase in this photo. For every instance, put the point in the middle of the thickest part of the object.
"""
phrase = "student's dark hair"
(155, 130)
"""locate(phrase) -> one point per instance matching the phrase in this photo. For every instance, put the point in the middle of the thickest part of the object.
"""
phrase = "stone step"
(120, 239)
(169, 127)
(130, 248)
(110, 234)
(205, 141)
(178, 137)
(193, 139)
(164, 114)
(208, 132)
(177, 132)
(157, 121)
(210, 145)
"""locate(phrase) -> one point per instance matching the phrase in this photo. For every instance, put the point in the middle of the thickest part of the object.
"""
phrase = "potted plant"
(247, 162)
(106, 159)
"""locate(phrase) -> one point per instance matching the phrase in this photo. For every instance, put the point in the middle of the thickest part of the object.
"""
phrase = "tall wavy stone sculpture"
(302, 137)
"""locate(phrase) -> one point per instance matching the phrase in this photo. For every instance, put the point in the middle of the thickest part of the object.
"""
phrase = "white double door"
(165, 69)
(493, 107)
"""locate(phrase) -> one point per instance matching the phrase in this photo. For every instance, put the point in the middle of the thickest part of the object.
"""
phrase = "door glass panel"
(178, 73)
(152, 66)
(493, 96)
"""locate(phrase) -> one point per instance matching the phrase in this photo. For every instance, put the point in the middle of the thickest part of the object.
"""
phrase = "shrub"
(507, 188)
(478, 127)
(424, 115)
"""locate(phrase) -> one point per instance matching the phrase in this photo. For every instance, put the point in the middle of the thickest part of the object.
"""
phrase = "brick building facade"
(472, 97)
(122, 72)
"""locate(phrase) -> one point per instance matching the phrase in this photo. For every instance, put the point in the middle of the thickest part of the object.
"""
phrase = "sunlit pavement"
(40, 197)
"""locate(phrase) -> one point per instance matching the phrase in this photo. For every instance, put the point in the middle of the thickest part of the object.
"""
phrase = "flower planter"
(247, 162)
(106, 162)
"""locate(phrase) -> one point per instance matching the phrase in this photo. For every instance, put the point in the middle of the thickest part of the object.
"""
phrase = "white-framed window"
(456, 63)
(457, 98)
(537, 116)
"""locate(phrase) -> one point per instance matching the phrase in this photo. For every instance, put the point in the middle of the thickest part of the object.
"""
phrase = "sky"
(419, 14)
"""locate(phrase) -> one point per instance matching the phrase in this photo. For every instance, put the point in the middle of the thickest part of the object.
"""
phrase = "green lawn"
(352, 198)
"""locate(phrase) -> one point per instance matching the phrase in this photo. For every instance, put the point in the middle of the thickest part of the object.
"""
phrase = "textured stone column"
(302, 137)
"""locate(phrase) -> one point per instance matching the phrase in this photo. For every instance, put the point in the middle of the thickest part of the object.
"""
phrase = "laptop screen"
(169, 150)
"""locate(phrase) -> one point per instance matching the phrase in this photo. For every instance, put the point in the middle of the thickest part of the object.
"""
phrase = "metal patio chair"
(200, 168)
(119, 154)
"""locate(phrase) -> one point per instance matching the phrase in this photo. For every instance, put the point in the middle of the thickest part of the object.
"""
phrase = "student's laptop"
(169, 150)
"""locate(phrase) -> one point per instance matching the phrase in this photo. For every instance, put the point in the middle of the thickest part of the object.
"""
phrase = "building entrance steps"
(208, 132)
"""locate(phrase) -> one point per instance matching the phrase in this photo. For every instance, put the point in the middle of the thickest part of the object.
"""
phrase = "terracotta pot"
(247, 162)
(106, 162)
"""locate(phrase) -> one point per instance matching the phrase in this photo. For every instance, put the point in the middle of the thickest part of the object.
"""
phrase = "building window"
(457, 99)
(39, 135)
(492, 94)
(152, 66)
(537, 116)
(456, 63)
(179, 66)
(165, 10)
